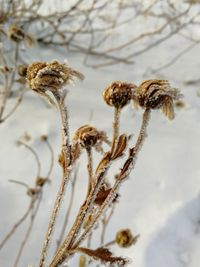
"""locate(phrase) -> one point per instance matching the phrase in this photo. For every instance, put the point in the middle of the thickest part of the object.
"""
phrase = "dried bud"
(88, 136)
(180, 104)
(16, 33)
(44, 137)
(40, 181)
(125, 239)
(118, 94)
(87, 220)
(51, 76)
(22, 70)
(156, 94)
(32, 191)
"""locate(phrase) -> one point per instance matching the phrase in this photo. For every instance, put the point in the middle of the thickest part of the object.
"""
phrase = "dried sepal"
(155, 94)
(104, 255)
(120, 146)
(118, 94)
(125, 239)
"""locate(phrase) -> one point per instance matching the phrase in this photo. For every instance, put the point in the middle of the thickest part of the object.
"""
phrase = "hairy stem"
(66, 173)
(68, 210)
(116, 125)
(90, 169)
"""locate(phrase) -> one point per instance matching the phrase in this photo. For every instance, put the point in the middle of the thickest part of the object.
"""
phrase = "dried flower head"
(22, 70)
(16, 33)
(118, 94)
(155, 94)
(51, 76)
(125, 239)
(88, 136)
(44, 137)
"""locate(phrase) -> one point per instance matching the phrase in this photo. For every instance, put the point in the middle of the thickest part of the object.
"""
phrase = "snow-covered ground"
(160, 201)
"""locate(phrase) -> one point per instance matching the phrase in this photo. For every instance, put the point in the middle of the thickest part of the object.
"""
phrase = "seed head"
(125, 239)
(118, 94)
(88, 136)
(155, 94)
(16, 33)
(51, 76)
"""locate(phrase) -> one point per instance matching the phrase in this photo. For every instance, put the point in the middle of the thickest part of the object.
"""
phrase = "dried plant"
(87, 28)
(34, 193)
(49, 80)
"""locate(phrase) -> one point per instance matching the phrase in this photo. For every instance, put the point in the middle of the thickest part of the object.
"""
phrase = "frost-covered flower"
(155, 94)
(88, 136)
(51, 76)
(118, 94)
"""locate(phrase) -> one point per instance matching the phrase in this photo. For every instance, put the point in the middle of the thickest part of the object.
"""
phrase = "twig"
(16, 225)
(27, 235)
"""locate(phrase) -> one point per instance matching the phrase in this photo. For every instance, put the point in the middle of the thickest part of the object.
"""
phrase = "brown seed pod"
(155, 94)
(88, 136)
(124, 238)
(51, 76)
(118, 94)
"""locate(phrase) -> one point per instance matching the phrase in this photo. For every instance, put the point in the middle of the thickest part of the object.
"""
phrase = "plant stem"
(90, 169)
(69, 209)
(66, 174)
(116, 125)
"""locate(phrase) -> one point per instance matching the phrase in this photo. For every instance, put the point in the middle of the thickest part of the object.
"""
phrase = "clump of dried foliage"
(49, 80)
(90, 28)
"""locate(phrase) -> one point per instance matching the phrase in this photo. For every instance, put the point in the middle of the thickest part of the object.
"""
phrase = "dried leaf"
(75, 151)
(102, 195)
(120, 147)
(61, 159)
(104, 255)
(125, 169)
(103, 163)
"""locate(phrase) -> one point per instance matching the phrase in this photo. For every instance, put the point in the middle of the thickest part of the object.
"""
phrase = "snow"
(160, 201)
